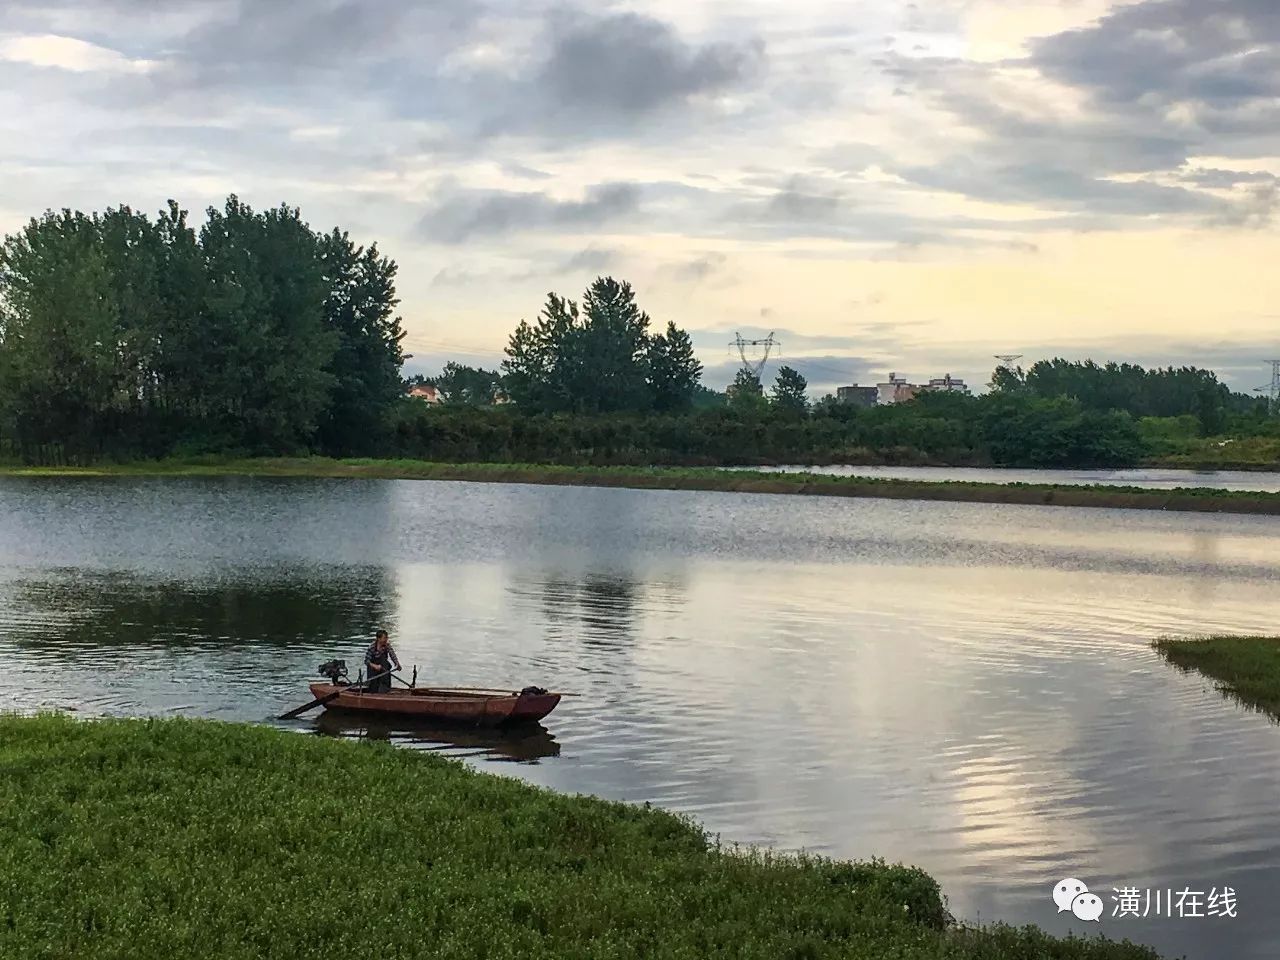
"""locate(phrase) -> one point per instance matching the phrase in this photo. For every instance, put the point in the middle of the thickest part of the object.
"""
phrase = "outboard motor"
(335, 670)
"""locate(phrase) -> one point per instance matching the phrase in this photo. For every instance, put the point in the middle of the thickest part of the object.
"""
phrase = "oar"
(298, 711)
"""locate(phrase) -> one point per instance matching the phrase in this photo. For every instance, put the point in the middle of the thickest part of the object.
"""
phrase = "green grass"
(139, 839)
(1246, 669)
(699, 478)
(1243, 453)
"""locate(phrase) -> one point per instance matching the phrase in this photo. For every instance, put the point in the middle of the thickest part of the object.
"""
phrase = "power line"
(1273, 390)
(755, 367)
(1005, 360)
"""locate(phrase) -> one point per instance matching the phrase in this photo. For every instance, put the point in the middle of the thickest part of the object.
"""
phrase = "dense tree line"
(126, 336)
(1160, 392)
(938, 428)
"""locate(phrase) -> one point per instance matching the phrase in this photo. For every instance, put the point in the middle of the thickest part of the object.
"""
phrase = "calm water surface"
(965, 687)
(1152, 478)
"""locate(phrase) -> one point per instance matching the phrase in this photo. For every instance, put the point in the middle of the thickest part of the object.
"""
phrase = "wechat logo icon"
(1072, 894)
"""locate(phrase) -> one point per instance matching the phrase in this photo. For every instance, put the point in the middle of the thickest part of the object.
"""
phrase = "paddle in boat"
(479, 707)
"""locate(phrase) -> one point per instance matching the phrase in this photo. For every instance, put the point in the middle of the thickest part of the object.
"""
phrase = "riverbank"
(678, 478)
(163, 838)
(1246, 669)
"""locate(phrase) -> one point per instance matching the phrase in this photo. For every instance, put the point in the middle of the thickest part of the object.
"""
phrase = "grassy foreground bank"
(176, 838)
(688, 478)
(1244, 668)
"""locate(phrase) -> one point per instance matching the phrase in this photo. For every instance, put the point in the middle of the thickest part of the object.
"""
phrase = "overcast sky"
(889, 186)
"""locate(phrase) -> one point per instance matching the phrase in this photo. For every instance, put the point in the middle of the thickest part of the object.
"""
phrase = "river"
(965, 687)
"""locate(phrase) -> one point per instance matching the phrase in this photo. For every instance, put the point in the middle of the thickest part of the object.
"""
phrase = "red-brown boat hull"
(482, 708)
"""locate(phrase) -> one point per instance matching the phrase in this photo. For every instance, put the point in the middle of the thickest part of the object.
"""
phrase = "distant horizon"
(718, 376)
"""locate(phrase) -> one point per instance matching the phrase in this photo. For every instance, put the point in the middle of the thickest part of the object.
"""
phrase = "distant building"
(947, 384)
(896, 390)
(858, 396)
(426, 392)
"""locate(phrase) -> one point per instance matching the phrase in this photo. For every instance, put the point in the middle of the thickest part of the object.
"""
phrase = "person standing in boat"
(378, 658)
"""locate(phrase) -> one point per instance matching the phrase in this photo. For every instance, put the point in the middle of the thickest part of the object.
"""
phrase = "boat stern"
(533, 706)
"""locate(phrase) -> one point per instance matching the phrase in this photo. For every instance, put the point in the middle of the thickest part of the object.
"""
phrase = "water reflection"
(1206, 551)
(966, 687)
(526, 743)
(73, 610)
(598, 609)
(128, 643)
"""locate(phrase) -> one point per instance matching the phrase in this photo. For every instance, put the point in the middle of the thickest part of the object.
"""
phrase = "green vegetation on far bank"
(1196, 499)
(125, 336)
(196, 839)
(1244, 668)
(1244, 453)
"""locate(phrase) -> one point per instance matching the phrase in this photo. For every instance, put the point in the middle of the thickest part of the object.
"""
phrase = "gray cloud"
(525, 173)
(805, 201)
(463, 214)
(558, 78)
(1059, 187)
(1161, 80)
(341, 106)
(696, 270)
(861, 338)
(456, 277)
(633, 64)
(590, 260)
(1207, 52)
(1257, 210)
(1225, 179)
(282, 41)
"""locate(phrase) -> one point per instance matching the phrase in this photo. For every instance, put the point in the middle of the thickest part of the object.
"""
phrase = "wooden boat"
(488, 708)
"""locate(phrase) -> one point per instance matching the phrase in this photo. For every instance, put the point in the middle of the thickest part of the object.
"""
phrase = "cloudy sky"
(888, 186)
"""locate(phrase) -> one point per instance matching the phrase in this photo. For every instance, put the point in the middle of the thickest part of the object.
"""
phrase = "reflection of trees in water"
(600, 609)
(1205, 552)
(119, 610)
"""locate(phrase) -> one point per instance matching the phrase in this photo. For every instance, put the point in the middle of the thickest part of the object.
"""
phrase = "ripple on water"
(966, 687)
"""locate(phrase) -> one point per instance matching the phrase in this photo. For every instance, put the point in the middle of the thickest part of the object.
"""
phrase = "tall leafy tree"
(541, 368)
(746, 392)
(265, 303)
(187, 362)
(359, 309)
(674, 372)
(60, 331)
(133, 259)
(599, 358)
(789, 392)
(612, 350)
(139, 336)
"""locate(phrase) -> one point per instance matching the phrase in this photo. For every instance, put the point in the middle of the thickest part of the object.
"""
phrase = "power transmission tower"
(1272, 391)
(753, 366)
(1005, 359)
